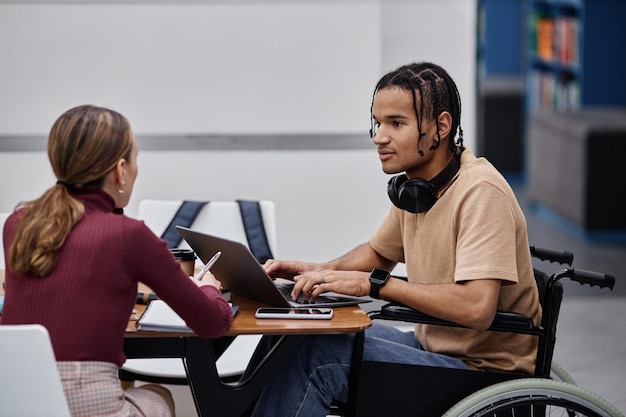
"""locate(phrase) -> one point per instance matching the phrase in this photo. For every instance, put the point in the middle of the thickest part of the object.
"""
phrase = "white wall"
(327, 200)
(192, 68)
(440, 31)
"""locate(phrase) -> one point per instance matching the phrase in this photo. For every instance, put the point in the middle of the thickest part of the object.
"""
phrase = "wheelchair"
(389, 389)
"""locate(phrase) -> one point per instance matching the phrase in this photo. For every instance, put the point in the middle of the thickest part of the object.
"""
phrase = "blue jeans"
(317, 372)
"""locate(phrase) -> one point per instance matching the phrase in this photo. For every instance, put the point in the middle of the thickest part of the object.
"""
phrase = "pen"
(208, 265)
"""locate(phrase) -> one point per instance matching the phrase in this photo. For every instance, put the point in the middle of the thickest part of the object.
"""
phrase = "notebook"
(159, 316)
(240, 272)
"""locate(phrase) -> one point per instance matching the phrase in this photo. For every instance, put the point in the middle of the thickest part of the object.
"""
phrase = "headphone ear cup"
(392, 189)
(416, 196)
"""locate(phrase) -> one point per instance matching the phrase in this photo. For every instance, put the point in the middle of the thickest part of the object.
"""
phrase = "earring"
(122, 190)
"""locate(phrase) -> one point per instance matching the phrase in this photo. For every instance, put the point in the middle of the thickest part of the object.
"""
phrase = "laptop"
(241, 273)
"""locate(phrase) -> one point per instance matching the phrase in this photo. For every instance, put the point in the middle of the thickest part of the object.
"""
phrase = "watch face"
(379, 275)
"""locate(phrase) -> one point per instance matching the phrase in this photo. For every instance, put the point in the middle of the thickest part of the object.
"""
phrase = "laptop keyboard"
(286, 287)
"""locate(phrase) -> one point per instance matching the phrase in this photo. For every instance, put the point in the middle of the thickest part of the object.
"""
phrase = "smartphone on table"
(306, 313)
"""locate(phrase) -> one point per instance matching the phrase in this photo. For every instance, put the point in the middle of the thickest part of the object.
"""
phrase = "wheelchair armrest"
(503, 321)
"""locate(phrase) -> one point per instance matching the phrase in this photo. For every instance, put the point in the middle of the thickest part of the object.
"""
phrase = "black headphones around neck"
(417, 195)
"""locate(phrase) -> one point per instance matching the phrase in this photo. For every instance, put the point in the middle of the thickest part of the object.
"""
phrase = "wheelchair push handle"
(583, 276)
(562, 257)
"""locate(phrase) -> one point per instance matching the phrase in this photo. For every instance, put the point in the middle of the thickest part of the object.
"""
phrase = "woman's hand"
(208, 279)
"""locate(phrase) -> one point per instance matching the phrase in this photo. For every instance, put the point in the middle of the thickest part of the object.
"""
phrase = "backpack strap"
(186, 214)
(255, 229)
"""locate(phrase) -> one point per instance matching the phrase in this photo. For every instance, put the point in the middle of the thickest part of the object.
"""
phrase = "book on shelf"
(545, 38)
(160, 317)
(549, 91)
(554, 37)
(566, 40)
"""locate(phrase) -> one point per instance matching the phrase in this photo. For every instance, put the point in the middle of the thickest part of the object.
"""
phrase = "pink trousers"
(93, 389)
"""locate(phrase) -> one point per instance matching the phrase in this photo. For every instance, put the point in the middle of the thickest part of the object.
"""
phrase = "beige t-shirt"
(475, 230)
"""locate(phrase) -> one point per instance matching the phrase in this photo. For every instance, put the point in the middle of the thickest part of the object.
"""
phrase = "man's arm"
(472, 303)
(361, 258)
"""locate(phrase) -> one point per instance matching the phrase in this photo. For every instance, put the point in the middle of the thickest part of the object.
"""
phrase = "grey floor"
(591, 336)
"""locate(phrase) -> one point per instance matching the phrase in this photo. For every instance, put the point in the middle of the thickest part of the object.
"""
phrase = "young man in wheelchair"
(454, 222)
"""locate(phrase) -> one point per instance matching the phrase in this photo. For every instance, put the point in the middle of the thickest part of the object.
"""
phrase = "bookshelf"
(576, 112)
(575, 54)
(567, 54)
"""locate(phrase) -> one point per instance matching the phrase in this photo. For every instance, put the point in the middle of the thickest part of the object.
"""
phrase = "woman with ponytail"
(74, 261)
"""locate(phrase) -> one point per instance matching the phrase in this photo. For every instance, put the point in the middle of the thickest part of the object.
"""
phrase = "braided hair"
(437, 91)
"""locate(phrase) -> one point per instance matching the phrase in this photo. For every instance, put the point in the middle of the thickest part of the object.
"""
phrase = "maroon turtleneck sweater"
(86, 300)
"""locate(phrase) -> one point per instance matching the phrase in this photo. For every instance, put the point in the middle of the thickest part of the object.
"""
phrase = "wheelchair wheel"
(533, 397)
(559, 374)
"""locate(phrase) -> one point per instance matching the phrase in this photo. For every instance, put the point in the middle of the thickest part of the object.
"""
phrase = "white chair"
(29, 381)
(3, 218)
(220, 218)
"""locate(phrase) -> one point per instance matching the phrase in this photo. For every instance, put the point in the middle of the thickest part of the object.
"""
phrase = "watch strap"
(378, 278)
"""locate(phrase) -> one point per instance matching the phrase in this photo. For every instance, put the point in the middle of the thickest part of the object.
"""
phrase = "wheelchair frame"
(389, 389)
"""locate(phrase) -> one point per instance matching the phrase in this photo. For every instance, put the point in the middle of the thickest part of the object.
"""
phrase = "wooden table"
(216, 398)
(345, 320)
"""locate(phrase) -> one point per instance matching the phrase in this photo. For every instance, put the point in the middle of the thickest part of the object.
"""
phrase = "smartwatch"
(378, 278)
